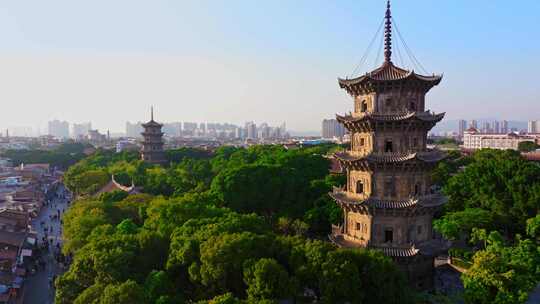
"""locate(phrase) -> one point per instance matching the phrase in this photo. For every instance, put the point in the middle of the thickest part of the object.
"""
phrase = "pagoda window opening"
(362, 142)
(389, 104)
(389, 187)
(417, 189)
(419, 229)
(388, 235)
(413, 105)
(358, 226)
(364, 106)
(359, 187)
(415, 142)
(388, 146)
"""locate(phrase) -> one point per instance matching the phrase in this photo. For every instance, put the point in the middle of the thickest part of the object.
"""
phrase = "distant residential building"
(532, 126)
(251, 130)
(58, 129)
(173, 129)
(240, 133)
(473, 140)
(190, 126)
(134, 130)
(462, 127)
(496, 127)
(331, 128)
(95, 136)
(80, 130)
(486, 128)
(504, 127)
(126, 145)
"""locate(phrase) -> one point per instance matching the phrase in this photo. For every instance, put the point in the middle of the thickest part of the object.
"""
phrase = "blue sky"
(274, 61)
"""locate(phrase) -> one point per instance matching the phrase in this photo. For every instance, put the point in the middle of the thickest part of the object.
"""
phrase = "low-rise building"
(474, 140)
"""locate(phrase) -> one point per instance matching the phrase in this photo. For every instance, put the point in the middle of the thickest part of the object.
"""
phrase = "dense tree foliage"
(268, 180)
(227, 227)
(61, 157)
(494, 199)
(500, 182)
(144, 250)
(527, 146)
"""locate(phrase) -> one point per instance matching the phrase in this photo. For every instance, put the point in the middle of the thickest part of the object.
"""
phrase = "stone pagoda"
(152, 145)
(389, 200)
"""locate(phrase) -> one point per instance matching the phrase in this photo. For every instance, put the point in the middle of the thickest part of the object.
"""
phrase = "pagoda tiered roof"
(387, 74)
(351, 200)
(430, 156)
(152, 123)
(368, 121)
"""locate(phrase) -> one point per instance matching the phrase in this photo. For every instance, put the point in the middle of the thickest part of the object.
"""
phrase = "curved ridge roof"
(427, 201)
(428, 156)
(389, 72)
(424, 116)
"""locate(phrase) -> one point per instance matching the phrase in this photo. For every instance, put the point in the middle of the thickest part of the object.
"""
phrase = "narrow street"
(38, 287)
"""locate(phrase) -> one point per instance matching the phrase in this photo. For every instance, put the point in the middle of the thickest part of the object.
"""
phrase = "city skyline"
(58, 60)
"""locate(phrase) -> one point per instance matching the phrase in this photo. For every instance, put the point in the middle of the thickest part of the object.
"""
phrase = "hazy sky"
(107, 61)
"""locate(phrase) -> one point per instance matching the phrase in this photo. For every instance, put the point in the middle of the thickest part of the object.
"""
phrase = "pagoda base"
(418, 264)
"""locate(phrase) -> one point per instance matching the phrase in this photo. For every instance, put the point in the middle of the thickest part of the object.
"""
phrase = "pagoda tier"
(157, 134)
(371, 161)
(412, 206)
(425, 249)
(152, 124)
(388, 77)
(371, 122)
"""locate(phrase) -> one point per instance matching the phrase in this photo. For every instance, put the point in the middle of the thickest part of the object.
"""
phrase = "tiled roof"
(389, 72)
(152, 123)
(431, 200)
(428, 156)
(423, 116)
(399, 252)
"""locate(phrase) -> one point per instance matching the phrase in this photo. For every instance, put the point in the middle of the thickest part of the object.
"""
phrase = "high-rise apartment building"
(331, 128)
(59, 129)
(532, 126)
(172, 129)
(134, 130)
(486, 127)
(496, 127)
(462, 127)
(251, 130)
(504, 127)
(473, 124)
(80, 130)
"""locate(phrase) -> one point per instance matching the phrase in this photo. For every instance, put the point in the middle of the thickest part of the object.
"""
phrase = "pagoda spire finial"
(151, 113)
(388, 34)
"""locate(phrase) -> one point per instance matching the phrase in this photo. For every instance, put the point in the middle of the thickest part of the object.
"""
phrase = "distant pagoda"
(152, 145)
(389, 201)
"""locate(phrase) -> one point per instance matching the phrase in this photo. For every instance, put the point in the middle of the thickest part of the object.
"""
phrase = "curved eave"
(425, 118)
(152, 124)
(433, 80)
(429, 201)
(430, 157)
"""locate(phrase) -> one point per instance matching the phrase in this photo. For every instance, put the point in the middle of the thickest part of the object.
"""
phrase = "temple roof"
(431, 200)
(427, 156)
(423, 116)
(389, 72)
(152, 123)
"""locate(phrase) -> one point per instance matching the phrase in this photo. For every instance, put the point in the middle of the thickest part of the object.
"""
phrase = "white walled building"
(473, 139)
